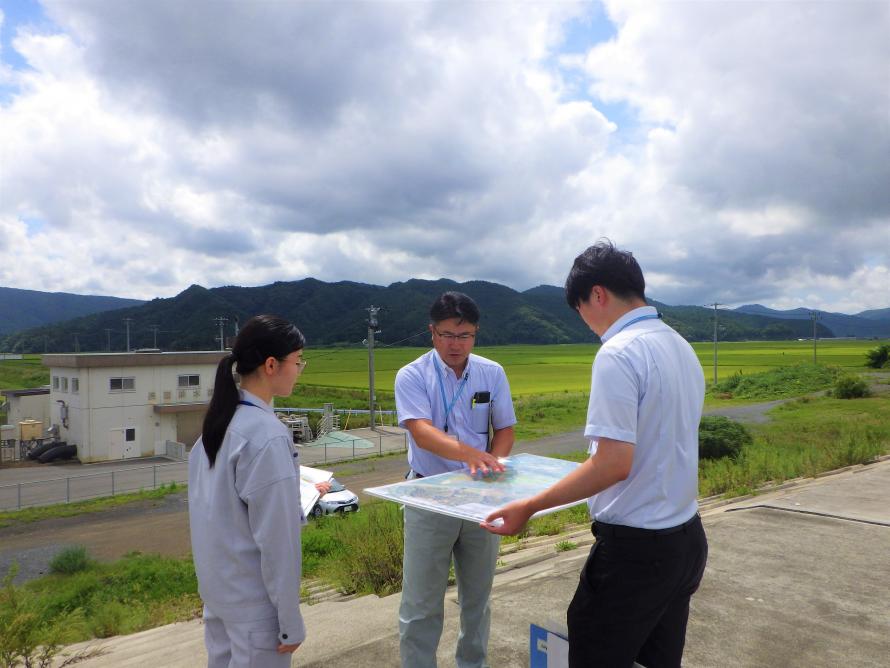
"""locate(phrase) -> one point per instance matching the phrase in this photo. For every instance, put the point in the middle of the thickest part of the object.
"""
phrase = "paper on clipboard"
(308, 494)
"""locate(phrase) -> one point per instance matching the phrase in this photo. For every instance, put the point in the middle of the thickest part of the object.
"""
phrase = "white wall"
(98, 416)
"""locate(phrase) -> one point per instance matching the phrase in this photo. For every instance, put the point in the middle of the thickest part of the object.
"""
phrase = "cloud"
(737, 148)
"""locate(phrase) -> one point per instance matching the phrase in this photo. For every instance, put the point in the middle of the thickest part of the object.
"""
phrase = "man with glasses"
(446, 399)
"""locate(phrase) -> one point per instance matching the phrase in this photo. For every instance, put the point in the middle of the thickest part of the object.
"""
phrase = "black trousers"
(632, 602)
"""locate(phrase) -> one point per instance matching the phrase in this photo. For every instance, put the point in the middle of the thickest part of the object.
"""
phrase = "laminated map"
(459, 494)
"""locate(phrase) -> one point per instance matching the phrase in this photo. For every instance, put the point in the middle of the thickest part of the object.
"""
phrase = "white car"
(338, 500)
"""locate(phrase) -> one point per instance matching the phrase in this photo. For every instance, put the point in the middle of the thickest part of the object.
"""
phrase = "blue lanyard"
(448, 407)
(657, 316)
(244, 402)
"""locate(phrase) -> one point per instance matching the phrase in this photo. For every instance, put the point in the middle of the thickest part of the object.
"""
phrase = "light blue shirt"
(419, 396)
(647, 388)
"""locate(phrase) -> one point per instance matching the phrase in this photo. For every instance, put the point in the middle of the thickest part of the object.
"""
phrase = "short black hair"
(454, 305)
(603, 264)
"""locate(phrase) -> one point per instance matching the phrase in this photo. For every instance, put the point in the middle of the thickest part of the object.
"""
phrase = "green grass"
(27, 515)
(362, 553)
(132, 594)
(778, 383)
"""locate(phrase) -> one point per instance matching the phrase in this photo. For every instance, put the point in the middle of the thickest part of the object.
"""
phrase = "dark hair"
(603, 264)
(262, 337)
(454, 305)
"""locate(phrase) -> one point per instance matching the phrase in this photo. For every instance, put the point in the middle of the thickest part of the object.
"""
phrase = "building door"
(123, 444)
(131, 445)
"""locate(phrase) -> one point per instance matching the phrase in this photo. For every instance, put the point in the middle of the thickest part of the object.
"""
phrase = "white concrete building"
(123, 405)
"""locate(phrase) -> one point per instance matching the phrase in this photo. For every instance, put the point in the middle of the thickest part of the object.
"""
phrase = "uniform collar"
(256, 401)
(446, 370)
(619, 324)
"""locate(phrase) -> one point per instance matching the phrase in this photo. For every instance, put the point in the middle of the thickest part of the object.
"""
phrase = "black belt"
(621, 531)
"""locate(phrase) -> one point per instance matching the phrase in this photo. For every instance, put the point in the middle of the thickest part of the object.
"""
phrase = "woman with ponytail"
(244, 504)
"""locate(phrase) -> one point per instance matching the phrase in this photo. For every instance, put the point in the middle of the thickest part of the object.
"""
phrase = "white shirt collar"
(624, 320)
(446, 370)
(256, 401)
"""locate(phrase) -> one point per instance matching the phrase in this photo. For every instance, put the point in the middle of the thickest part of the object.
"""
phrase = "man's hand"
(288, 649)
(514, 516)
(479, 460)
(323, 487)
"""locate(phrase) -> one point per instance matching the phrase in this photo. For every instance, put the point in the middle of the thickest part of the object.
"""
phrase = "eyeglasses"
(302, 364)
(450, 336)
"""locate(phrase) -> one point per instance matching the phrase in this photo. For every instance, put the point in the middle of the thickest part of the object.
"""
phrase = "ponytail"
(222, 407)
(262, 337)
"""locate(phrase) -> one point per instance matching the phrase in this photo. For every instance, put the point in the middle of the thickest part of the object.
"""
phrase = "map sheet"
(459, 494)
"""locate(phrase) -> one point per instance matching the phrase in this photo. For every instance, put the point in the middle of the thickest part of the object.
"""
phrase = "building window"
(55, 382)
(64, 384)
(130, 434)
(122, 384)
(75, 385)
(190, 380)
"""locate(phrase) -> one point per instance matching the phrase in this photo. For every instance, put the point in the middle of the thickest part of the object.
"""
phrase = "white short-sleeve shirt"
(647, 388)
(419, 396)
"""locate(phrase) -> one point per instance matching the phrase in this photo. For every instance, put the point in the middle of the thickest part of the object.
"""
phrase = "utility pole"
(127, 321)
(815, 316)
(154, 329)
(107, 340)
(715, 305)
(221, 320)
(76, 344)
(372, 330)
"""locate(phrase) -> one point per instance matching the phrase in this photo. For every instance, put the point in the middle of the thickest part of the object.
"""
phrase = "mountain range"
(336, 314)
(23, 309)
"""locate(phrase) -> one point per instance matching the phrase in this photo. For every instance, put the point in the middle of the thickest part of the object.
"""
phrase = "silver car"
(338, 500)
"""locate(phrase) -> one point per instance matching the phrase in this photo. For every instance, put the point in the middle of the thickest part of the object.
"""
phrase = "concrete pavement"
(796, 577)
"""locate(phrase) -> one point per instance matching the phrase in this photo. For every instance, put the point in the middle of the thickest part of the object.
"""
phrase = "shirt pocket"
(479, 417)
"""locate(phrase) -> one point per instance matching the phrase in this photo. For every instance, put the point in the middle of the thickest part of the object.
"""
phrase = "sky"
(740, 150)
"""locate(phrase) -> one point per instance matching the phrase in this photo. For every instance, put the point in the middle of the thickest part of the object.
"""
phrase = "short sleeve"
(614, 399)
(502, 412)
(412, 399)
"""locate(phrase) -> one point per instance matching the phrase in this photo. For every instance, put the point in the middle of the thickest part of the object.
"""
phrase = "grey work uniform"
(432, 538)
(245, 520)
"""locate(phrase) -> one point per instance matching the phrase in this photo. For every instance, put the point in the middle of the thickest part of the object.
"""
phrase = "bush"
(786, 381)
(371, 560)
(30, 636)
(70, 560)
(719, 436)
(850, 387)
(879, 357)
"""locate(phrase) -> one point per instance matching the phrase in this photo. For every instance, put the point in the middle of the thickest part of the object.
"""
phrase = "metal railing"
(20, 495)
(16, 496)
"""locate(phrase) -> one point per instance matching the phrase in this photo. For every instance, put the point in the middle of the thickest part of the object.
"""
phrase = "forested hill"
(335, 313)
(23, 309)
